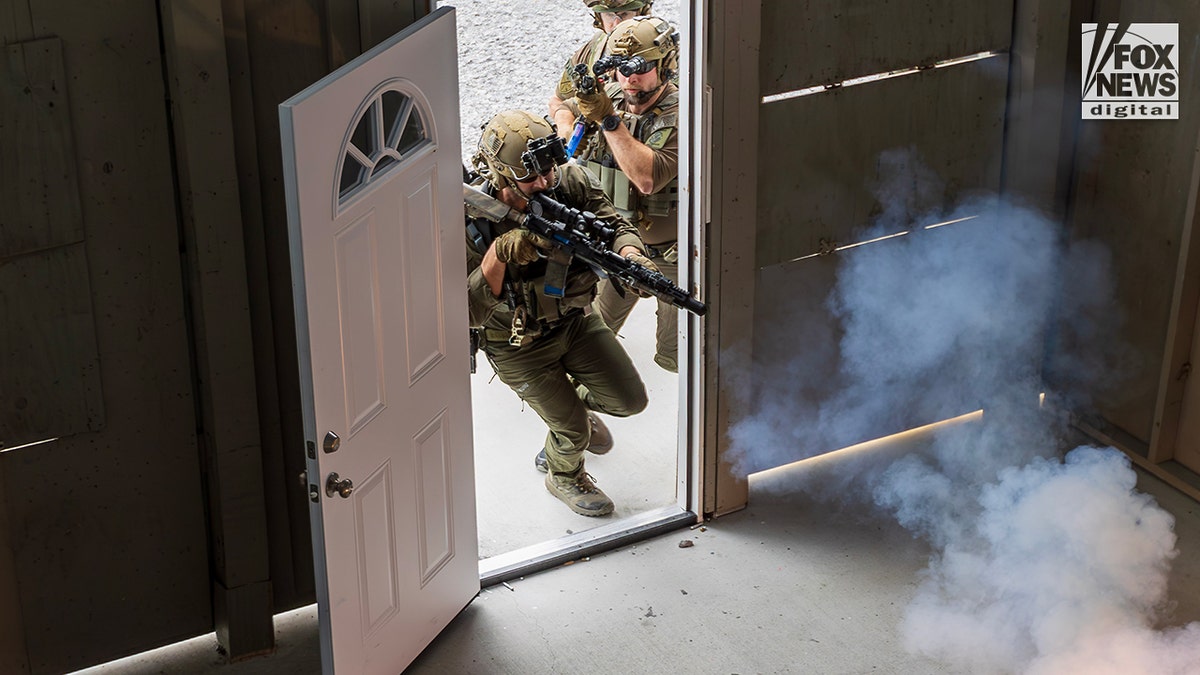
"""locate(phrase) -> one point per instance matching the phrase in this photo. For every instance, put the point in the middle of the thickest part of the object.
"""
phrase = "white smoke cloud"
(1041, 564)
(1061, 568)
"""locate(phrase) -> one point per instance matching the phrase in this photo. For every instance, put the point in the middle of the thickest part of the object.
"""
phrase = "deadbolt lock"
(334, 486)
(332, 442)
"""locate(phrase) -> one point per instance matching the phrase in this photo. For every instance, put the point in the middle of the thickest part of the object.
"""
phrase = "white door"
(374, 195)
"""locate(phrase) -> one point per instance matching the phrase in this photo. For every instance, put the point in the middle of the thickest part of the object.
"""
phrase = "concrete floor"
(789, 585)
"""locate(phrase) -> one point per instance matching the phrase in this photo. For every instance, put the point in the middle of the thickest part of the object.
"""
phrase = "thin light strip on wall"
(808, 91)
(876, 444)
(28, 445)
(872, 241)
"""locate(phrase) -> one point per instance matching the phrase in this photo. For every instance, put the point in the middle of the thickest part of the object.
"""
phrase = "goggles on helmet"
(625, 65)
(541, 156)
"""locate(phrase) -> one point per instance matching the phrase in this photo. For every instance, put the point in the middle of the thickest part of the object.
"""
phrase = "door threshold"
(543, 556)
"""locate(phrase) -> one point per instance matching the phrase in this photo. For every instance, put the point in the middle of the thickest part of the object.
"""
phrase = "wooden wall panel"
(289, 545)
(813, 42)
(284, 51)
(51, 376)
(50, 384)
(1131, 193)
(1131, 190)
(210, 213)
(833, 163)
(824, 185)
(14, 658)
(107, 528)
(37, 168)
(381, 19)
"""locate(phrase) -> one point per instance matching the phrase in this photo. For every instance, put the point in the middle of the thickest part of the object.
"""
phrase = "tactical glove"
(648, 264)
(519, 246)
(595, 106)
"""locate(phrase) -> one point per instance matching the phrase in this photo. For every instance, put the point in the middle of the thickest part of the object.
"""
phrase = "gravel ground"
(512, 58)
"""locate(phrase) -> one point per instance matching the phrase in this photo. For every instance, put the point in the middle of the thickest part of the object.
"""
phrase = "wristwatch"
(610, 122)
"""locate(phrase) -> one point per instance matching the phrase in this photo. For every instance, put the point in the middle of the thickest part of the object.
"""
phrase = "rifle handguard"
(590, 240)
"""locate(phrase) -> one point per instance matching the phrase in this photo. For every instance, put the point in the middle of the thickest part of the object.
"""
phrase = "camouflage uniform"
(566, 361)
(656, 214)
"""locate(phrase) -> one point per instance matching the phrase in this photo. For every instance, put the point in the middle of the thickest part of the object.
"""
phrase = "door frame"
(693, 473)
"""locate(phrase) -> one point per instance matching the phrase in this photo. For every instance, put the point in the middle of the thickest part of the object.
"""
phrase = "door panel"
(372, 159)
(358, 308)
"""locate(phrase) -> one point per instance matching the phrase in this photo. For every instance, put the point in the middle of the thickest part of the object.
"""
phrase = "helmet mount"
(517, 147)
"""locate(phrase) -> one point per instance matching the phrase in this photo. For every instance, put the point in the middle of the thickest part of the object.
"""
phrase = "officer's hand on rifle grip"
(519, 246)
(595, 106)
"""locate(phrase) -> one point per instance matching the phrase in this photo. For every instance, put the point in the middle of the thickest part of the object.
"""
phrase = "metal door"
(373, 172)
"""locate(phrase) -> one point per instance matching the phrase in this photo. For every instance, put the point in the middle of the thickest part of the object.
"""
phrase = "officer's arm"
(482, 293)
(493, 270)
(635, 158)
(559, 111)
(564, 118)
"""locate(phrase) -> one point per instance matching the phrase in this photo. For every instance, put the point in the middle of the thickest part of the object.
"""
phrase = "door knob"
(339, 487)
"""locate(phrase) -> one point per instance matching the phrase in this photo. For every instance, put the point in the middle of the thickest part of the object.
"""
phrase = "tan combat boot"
(602, 440)
(579, 492)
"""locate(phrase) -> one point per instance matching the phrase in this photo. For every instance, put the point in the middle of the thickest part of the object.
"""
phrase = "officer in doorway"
(635, 153)
(551, 349)
(606, 14)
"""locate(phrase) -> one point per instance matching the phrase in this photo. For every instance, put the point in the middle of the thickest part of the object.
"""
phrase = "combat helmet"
(653, 39)
(517, 146)
(599, 6)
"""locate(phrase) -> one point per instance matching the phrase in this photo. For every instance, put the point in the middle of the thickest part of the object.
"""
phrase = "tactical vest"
(533, 308)
(629, 202)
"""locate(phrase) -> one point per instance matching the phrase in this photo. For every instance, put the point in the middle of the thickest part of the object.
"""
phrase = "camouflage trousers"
(578, 366)
(615, 309)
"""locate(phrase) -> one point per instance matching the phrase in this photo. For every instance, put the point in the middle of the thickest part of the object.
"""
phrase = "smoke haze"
(1041, 564)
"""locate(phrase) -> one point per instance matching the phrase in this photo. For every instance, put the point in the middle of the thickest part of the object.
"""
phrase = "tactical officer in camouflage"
(606, 15)
(556, 354)
(635, 154)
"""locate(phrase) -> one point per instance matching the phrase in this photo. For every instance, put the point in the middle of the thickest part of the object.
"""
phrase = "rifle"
(583, 236)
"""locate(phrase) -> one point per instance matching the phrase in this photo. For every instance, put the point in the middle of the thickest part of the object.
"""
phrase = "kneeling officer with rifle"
(530, 295)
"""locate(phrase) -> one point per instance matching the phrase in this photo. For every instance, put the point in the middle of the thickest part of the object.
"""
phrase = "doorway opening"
(648, 474)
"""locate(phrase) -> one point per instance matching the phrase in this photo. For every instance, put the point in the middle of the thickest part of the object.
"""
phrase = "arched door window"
(389, 129)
